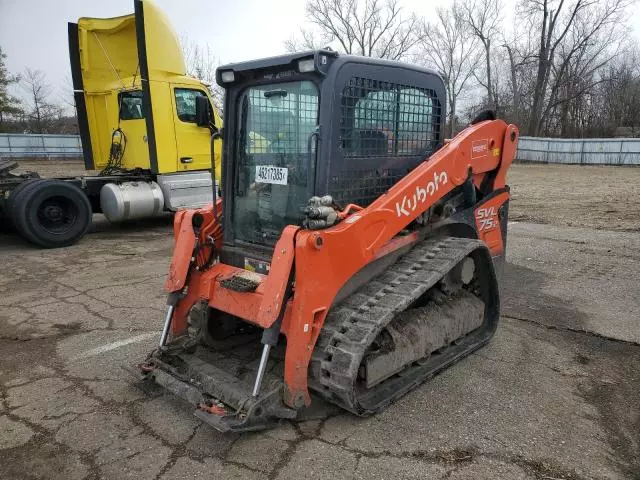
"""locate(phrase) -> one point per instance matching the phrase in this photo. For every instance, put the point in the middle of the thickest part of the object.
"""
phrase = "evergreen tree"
(9, 105)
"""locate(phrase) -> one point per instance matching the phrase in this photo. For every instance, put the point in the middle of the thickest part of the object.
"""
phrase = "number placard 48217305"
(271, 174)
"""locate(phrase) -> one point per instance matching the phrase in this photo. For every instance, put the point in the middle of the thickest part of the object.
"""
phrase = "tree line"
(38, 111)
(565, 68)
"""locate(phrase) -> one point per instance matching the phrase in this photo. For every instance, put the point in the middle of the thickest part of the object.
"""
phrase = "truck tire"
(51, 213)
(9, 223)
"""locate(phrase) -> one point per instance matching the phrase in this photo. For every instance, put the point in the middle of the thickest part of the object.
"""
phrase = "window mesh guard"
(386, 130)
(281, 120)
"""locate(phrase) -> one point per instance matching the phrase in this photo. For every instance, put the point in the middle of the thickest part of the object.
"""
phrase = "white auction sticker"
(271, 174)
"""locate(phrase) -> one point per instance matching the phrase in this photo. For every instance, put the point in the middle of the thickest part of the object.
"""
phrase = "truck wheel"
(52, 213)
(8, 206)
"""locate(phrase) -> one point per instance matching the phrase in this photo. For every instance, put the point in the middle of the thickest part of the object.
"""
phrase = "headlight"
(307, 65)
(227, 77)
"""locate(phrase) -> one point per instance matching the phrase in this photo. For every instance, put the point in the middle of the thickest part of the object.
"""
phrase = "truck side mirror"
(203, 112)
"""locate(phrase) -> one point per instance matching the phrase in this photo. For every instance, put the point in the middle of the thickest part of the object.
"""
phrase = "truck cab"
(137, 106)
(148, 143)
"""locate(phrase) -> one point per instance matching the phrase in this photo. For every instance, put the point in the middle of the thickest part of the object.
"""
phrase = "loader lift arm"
(324, 260)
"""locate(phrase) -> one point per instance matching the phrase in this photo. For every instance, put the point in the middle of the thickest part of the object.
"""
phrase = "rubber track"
(352, 326)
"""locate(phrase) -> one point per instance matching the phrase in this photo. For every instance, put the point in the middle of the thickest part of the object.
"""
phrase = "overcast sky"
(33, 33)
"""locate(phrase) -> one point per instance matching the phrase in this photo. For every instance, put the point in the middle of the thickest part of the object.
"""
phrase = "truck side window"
(131, 105)
(186, 103)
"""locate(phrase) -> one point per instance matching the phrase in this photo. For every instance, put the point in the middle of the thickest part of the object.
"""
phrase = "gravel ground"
(571, 195)
(555, 395)
(53, 168)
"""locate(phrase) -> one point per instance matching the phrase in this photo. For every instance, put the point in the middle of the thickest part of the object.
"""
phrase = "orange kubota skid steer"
(354, 253)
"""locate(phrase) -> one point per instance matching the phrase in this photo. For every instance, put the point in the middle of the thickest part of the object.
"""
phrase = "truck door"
(134, 127)
(193, 142)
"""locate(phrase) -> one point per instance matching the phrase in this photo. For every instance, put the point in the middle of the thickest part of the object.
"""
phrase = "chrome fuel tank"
(131, 200)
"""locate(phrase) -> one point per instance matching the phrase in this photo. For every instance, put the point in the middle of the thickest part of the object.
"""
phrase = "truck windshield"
(275, 171)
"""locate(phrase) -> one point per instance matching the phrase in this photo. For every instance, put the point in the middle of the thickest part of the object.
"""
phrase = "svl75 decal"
(487, 218)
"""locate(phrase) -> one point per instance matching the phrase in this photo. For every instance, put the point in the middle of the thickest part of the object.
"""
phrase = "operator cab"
(312, 124)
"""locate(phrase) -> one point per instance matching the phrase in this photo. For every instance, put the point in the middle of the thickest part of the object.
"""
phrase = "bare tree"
(608, 107)
(65, 95)
(521, 63)
(615, 103)
(574, 24)
(372, 28)
(574, 77)
(484, 18)
(307, 40)
(448, 46)
(41, 111)
(68, 122)
(201, 63)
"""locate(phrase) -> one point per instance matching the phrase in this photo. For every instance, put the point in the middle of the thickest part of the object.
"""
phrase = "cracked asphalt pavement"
(556, 394)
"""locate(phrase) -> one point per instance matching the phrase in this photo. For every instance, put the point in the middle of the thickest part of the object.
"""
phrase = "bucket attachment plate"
(222, 399)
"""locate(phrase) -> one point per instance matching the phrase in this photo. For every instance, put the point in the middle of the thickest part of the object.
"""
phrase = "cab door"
(132, 123)
(193, 142)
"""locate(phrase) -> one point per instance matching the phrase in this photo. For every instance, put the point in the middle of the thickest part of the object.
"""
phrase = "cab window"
(186, 103)
(384, 119)
(131, 105)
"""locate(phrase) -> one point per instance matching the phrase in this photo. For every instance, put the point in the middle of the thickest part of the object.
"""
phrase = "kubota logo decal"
(411, 202)
(487, 218)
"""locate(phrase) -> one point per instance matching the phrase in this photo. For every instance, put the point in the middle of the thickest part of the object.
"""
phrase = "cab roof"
(290, 59)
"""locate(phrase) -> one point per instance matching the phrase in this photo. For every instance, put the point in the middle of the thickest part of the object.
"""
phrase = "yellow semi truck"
(144, 125)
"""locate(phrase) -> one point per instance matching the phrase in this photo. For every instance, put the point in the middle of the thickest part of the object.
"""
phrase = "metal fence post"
(44, 147)
(620, 154)
(546, 154)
